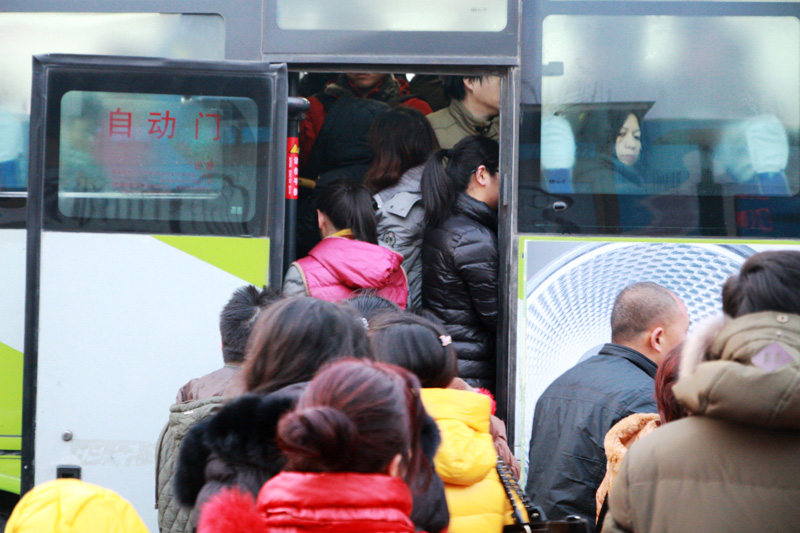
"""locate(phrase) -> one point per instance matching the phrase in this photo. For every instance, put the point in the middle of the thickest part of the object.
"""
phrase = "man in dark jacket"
(572, 417)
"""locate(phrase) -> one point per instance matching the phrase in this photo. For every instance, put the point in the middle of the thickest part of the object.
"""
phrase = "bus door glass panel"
(23, 35)
(666, 125)
(145, 147)
(158, 157)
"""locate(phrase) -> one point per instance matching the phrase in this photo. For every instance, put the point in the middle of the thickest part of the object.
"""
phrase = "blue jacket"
(572, 417)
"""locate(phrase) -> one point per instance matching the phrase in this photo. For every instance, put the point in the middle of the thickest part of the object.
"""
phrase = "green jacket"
(454, 122)
(734, 464)
(172, 518)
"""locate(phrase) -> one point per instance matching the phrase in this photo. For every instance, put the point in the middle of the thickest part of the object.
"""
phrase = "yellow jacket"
(467, 461)
(72, 506)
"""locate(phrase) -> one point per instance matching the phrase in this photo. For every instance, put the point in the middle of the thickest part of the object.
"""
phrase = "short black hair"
(638, 307)
(369, 305)
(237, 318)
(454, 86)
(767, 281)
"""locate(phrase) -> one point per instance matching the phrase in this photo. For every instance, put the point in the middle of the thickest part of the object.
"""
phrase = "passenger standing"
(467, 459)
(402, 141)
(635, 427)
(459, 252)
(474, 109)
(370, 85)
(574, 414)
(353, 450)
(734, 464)
(200, 398)
(348, 258)
(289, 343)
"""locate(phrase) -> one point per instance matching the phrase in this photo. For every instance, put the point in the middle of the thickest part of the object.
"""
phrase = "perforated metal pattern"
(568, 304)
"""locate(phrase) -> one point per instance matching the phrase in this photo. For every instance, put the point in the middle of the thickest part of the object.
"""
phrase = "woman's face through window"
(629, 141)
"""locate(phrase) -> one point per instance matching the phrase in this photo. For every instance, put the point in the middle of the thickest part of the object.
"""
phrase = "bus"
(104, 317)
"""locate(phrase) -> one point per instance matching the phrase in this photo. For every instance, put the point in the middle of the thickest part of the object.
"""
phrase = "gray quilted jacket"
(172, 518)
(400, 217)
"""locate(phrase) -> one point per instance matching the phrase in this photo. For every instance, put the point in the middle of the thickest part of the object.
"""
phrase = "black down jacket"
(459, 285)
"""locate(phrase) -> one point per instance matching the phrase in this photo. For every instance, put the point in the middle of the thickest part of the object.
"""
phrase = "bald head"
(648, 318)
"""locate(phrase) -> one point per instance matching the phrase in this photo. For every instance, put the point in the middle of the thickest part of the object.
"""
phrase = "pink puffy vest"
(337, 266)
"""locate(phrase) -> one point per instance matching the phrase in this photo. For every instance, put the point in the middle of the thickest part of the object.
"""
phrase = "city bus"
(107, 309)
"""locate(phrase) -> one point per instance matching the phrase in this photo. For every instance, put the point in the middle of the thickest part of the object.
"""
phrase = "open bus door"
(156, 189)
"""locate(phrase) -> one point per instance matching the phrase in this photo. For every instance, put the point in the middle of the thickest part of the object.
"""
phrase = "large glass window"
(23, 35)
(662, 123)
(410, 15)
(192, 153)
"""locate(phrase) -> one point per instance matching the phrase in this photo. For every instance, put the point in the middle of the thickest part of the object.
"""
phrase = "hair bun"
(317, 438)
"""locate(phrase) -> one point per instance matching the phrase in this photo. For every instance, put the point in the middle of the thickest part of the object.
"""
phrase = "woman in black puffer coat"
(460, 254)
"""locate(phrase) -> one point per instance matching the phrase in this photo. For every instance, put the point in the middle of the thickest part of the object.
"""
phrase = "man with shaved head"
(572, 417)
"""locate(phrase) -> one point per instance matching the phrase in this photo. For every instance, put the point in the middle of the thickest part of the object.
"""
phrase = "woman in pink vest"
(348, 258)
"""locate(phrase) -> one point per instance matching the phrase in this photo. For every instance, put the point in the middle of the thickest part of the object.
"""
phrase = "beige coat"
(734, 465)
(617, 442)
(454, 122)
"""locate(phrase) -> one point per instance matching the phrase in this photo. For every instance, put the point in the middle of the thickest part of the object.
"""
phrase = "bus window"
(23, 35)
(157, 157)
(673, 122)
(412, 15)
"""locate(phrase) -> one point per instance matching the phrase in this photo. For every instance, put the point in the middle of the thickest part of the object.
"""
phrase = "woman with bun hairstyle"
(467, 460)
(402, 140)
(732, 465)
(460, 193)
(289, 342)
(352, 448)
(348, 258)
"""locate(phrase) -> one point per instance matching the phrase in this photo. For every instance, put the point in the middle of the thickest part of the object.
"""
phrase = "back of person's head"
(667, 374)
(640, 307)
(454, 86)
(416, 344)
(368, 305)
(293, 338)
(441, 184)
(73, 506)
(348, 205)
(767, 281)
(401, 139)
(238, 316)
(356, 416)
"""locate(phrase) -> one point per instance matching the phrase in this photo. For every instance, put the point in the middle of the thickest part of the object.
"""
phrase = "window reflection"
(23, 35)
(680, 125)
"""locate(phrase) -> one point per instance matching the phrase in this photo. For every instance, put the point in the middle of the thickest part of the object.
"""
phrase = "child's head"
(295, 337)
(356, 416)
(346, 204)
(416, 344)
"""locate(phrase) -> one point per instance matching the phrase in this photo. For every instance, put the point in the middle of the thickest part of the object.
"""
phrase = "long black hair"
(348, 205)
(767, 281)
(401, 139)
(442, 183)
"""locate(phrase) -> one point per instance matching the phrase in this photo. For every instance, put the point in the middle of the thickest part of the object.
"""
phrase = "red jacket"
(294, 502)
(315, 117)
(337, 266)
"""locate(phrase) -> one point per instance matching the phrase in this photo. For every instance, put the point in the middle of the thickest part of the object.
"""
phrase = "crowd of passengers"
(360, 396)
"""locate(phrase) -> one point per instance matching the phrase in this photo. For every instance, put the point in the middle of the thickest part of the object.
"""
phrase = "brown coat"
(734, 465)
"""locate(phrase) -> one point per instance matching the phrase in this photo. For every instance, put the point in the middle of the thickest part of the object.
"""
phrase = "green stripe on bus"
(245, 258)
(10, 417)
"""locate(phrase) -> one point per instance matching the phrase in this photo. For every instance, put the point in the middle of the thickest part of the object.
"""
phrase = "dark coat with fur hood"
(237, 447)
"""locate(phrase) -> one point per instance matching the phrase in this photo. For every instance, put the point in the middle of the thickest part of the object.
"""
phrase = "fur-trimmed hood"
(235, 447)
(745, 370)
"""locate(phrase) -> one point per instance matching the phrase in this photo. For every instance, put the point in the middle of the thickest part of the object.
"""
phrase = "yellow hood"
(72, 506)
